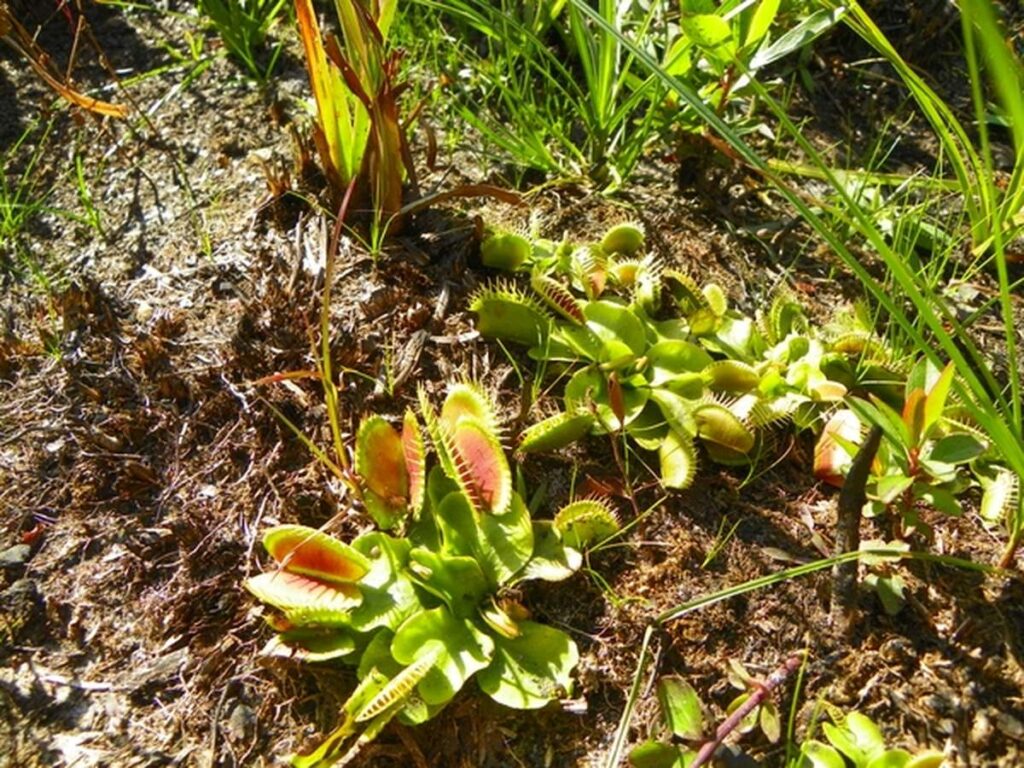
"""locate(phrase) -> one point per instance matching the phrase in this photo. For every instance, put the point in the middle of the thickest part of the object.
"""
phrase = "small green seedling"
(765, 716)
(854, 740)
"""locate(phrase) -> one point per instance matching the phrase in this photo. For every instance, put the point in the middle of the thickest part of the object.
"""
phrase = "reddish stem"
(760, 693)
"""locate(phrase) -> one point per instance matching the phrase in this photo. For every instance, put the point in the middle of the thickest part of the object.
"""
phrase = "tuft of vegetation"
(422, 608)
(244, 26)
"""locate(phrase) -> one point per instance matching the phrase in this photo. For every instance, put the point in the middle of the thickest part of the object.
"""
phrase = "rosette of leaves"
(418, 614)
(855, 740)
(925, 454)
(656, 356)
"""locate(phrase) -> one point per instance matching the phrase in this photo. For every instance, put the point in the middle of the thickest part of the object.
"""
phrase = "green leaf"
(678, 60)
(589, 386)
(457, 523)
(439, 485)
(652, 754)
(377, 656)
(938, 472)
(677, 410)
(771, 724)
(738, 676)
(880, 544)
(691, 7)
(846, 742)
(814, 754)
(866, 734)
(935, 403)
(462, 651)
(710, 33)
(749, 721)
(891, 487)
(889, 590)
(506, 542)
(501, 544)
(613, 322)
(939, 498)
(532, 669)
(885, 417)
(649, 428)
(913, 416)
(891, 758)
(956, 449)
(681, 708)
(552, 560)
(455, 579)
(927, 759)
(583, 342)
(761, 21)
(798, 37)
(389, 597)
(736, 337)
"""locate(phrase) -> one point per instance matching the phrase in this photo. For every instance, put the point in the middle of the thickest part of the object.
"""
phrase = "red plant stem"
(761, 692)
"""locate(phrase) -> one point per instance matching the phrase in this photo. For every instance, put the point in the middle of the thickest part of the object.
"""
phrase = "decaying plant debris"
(141, 460)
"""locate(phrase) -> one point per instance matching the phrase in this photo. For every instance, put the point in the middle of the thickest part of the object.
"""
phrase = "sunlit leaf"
(311, 552)
(681, 708)
(318, 602)
(462, 651)
(530, 670)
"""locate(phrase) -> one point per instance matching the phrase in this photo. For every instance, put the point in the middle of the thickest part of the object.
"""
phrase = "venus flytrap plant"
(656, 357)
(930, 326)
(421, 609)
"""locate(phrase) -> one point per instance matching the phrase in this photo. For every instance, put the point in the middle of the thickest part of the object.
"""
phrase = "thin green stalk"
(818, 565)
(330, 391)
(622, 732)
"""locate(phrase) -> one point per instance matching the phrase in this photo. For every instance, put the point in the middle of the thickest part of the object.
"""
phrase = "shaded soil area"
(140, 458)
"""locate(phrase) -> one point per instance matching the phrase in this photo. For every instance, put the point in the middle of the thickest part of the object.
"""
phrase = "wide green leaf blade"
(462, 651)
(532, 669)
(681, 708)
(457, 580)
(389, 597)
